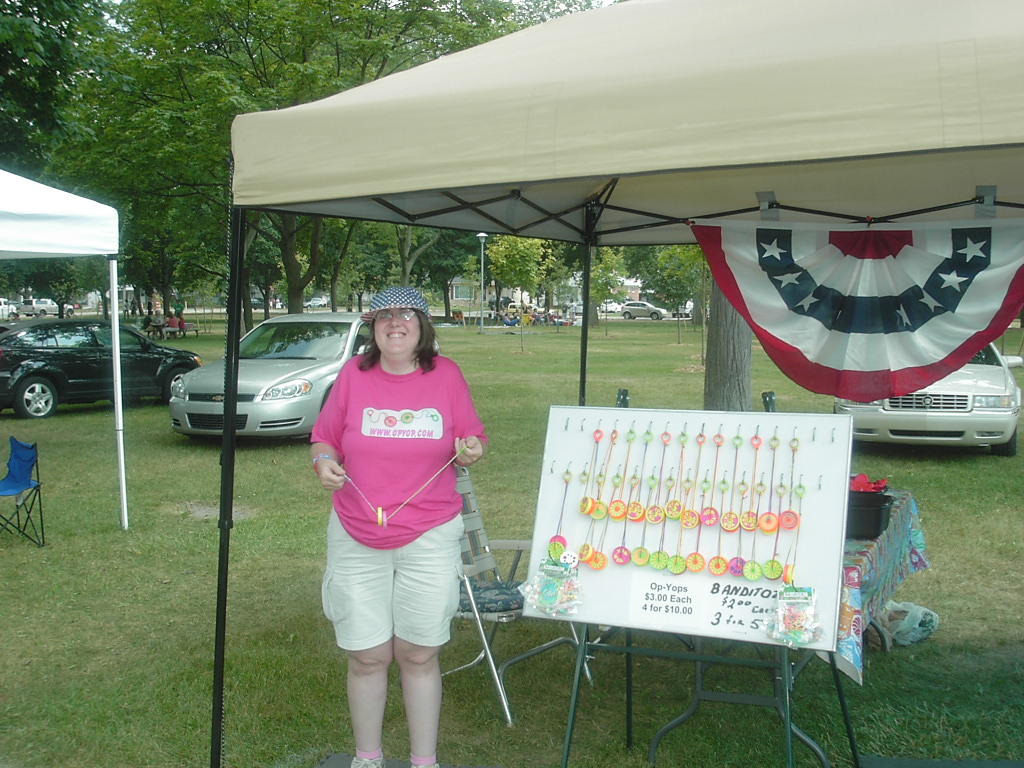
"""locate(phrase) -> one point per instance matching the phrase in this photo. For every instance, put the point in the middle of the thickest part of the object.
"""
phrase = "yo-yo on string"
(378, 511)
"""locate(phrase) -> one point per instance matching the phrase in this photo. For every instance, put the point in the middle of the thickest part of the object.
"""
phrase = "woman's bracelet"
(316, 459)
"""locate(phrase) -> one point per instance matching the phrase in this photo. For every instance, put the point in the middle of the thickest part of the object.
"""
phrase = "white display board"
(765, 492)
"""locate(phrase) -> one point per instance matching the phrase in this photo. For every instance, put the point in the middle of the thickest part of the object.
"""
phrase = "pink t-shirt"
(393, 433)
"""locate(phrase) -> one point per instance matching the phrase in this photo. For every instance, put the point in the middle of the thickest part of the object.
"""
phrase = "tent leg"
(227, 476)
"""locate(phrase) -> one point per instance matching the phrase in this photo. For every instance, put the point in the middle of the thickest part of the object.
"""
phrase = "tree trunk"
(727, 384)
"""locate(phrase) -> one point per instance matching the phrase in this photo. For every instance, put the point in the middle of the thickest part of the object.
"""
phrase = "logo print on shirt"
(425, 424)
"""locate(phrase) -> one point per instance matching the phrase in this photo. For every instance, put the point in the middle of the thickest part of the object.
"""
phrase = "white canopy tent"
(622, 124)
(37, 221)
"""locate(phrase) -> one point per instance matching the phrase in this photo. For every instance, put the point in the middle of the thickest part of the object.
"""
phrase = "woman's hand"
(469, 450)
(331, 473)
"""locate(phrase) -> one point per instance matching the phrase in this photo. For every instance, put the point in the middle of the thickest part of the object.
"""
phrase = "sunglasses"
(391, 314)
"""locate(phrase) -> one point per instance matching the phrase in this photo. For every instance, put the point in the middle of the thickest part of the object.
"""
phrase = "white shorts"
(372, 595)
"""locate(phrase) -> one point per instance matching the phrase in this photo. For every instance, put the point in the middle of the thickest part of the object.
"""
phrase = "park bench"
(165, 332)
(184, 330)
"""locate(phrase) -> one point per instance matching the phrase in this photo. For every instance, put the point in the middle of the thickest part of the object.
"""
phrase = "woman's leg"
(421, 692)
(367, 694)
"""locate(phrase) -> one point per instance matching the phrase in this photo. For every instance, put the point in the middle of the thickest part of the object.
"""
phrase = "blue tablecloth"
(872, 571)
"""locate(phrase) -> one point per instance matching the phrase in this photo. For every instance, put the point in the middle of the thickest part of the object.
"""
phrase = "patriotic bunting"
(869, 311)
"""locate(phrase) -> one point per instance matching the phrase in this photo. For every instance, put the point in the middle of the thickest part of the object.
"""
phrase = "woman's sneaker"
(367, 762)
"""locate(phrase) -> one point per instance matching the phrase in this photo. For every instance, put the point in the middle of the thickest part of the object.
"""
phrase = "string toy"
(789, 569)
(600, 559)
(558, 544)
(621, 554)
(674, 505)
(677, 563)
(654, 513)
(769, 522)
(695, 560)
(690, 518)
(617, 507)
(730, 521)
(752, 570)
(736, 563)
(772, 567)
(596, 558)
(378, 511)
(790, 518)
(748, 519)
(587, 505)
(709, 514)
(718, 565)
(635, 510)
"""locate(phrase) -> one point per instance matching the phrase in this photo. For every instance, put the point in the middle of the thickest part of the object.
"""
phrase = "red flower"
(863, 483)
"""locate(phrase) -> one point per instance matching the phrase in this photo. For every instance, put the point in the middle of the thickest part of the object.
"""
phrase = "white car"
(977, 405)
(286, 368)
(316, 302)
(610, 307)
(632, 309)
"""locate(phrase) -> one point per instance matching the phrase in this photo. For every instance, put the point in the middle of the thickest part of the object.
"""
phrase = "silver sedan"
(287, 366)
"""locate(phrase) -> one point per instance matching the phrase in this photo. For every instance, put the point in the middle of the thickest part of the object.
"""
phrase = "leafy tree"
(680, 274)
(515, 261)
(448, 261)
(605, 278)
(173, 76)
(41, 55)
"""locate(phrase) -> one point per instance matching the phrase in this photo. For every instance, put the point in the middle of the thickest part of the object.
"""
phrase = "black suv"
(45, 362)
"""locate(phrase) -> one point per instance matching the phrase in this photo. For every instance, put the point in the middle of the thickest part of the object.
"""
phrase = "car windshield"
(305, 341)
(985, 356)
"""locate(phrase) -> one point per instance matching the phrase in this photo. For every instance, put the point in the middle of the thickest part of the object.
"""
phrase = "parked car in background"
(316, 302)
(610, 307)
(975, 406)
(287, 366)
(6, 308)
(45, 362)
(42, 307)
(633, 309)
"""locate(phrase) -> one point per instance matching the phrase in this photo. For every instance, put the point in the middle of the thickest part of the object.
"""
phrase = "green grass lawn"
(107, 635)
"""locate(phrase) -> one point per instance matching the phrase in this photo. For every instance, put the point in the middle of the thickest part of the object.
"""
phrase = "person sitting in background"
(173, 325)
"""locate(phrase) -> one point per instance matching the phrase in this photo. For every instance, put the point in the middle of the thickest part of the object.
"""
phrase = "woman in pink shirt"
(397, 418)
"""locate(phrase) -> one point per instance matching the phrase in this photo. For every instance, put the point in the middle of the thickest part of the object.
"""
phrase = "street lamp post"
(483, 239)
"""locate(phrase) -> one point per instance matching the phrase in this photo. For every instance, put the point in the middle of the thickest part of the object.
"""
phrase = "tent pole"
(227, 474)
(115, 325)
(589, 251)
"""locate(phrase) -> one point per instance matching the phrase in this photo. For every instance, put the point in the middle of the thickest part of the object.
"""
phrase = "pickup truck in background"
(42, 307)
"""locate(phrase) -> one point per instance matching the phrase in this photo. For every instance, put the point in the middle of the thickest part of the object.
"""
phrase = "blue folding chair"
(22, 482)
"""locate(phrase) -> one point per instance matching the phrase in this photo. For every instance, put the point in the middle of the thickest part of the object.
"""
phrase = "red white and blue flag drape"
(869, 311)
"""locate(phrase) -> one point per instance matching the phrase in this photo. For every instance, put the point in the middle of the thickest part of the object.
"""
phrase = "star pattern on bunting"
(927, 300)
(952, 280)
(907, 310)
(972, 249)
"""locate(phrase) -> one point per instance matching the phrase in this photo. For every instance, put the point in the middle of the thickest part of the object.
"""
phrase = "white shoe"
(367, 762)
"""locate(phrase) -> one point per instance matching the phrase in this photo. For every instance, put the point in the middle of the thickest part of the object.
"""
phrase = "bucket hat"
(397, 297)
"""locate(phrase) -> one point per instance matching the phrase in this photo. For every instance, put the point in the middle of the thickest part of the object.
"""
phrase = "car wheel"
(69, 312)
(35, 398)
(42, 313)
(627, 316)
(655, 316)
(173, 376)
(1009, 448)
